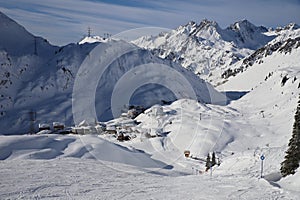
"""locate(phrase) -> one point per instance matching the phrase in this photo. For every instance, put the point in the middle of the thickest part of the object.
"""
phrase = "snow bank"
(57, 146)
(291, 182)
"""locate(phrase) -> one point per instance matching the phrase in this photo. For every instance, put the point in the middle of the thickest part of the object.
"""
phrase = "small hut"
(81, 130)
(111, 130)
(58, 126)
(43, 127)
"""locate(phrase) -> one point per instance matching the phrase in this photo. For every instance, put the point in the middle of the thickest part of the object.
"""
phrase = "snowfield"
(43, 172)
(72, 178)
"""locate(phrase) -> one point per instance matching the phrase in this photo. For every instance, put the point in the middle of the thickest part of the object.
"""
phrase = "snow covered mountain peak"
(17, 41)
(205, 29)
(5, 20)
(92, 39)
(246, 35)
(243, 33)
(206, 48)
(209, 51)
(290, 26)
(12, 34)
(205, 24)
(191, 23)
(245, 25)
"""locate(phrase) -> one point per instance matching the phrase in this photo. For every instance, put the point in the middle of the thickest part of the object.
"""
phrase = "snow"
(56, 146)
(205, 48)
(292, 182)
(44, 83)
(94, 164)
(92, 39)
(90, 166)
(97, 166)
(42, 175)
(186, 129)
(70, 179)
(279, 64)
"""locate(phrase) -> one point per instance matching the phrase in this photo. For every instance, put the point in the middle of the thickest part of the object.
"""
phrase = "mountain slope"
(205, 48)
(286, 46)
(41, 81)
(246, 35)
(210, 51)
(16, 40)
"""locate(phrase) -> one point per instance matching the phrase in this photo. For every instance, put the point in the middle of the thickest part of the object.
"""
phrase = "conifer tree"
(213, 159)
(208, 162)
(292, 158)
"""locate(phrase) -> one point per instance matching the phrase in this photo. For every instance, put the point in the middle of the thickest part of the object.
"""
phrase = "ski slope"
(72, 179)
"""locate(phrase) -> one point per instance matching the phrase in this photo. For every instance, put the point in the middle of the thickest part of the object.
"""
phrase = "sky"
(66, 21)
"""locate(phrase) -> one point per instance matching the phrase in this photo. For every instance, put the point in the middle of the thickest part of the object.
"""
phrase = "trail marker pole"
(262, 157)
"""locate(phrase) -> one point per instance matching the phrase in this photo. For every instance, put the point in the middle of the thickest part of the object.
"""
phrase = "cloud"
(63, 22)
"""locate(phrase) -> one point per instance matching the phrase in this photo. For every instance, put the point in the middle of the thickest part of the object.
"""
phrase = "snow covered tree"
(292, 158)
